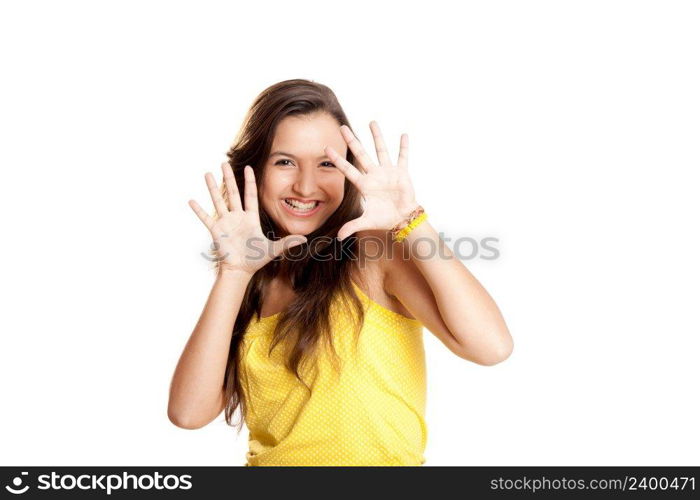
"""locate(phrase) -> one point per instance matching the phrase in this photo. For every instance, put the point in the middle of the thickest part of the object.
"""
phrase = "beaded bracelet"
(404, 223)
(405, 231)
(403, 228)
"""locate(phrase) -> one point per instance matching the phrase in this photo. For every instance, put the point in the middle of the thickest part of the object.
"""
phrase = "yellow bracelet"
(401, 235)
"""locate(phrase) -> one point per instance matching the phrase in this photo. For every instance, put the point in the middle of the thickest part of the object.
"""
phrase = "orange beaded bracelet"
(403, 228)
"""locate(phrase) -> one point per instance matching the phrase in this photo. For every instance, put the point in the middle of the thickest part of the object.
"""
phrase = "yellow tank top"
(372, 413)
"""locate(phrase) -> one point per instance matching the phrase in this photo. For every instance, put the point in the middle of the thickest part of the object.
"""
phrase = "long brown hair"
(315, 281)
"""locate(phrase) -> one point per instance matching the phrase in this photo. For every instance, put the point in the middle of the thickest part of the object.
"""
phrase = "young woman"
(327, 272)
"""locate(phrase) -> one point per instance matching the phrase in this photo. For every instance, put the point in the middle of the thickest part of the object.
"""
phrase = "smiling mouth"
(301, 207)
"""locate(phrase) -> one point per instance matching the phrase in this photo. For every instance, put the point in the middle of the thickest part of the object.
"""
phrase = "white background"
(568, 130)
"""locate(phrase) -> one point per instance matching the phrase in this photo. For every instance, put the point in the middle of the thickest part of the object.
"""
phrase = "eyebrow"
(282, 153)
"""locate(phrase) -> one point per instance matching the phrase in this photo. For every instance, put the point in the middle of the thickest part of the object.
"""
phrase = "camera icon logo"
(17, 483)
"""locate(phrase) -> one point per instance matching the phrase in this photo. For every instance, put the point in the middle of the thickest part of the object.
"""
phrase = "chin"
(300, 228)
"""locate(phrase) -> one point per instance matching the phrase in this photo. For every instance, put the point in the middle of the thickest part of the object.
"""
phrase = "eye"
(329, 164)
(278, 162)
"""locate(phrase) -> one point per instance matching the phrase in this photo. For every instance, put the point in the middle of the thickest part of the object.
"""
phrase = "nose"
(305, 184)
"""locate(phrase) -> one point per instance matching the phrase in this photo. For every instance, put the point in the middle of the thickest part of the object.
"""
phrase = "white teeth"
(301, 206)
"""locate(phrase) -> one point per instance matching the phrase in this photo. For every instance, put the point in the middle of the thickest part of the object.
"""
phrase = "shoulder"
(407, 289)
(376, 256)
(375, 249)
(398, 275)
(388, 258)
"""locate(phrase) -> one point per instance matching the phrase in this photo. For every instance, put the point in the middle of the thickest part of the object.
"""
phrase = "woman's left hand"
(386, 188)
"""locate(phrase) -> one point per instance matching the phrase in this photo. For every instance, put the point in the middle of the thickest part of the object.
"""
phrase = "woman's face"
(301, 187)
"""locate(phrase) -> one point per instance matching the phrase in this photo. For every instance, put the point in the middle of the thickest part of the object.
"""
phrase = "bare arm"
(442, 293)
(197, 387)
(435, 287)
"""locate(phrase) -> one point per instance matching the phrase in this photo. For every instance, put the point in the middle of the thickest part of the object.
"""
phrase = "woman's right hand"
(236, 233)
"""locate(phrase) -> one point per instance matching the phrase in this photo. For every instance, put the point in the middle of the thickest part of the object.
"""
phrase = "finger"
(403, 152)
(344, 166)
(251, 189)
(352, 227)
(234, 198)
(215, 193)
(279, 246)
(357, 150)
(203, 216)
(379, 145)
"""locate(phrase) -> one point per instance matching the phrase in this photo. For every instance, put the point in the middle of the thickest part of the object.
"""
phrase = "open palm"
(386, 188)
(236, 232)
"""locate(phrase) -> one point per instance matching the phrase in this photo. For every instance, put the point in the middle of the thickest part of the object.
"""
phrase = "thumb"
(350, 228)
(290, 241)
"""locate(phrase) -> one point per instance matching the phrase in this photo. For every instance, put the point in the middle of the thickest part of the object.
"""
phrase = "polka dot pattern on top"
(372, 413)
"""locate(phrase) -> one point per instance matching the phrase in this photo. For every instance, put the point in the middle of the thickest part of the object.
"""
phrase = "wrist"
(406, 209)
(403, 228)
(403, 214)
(233, 273)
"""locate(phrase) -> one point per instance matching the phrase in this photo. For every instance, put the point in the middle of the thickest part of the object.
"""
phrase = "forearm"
(466, 307)
(197, 384)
